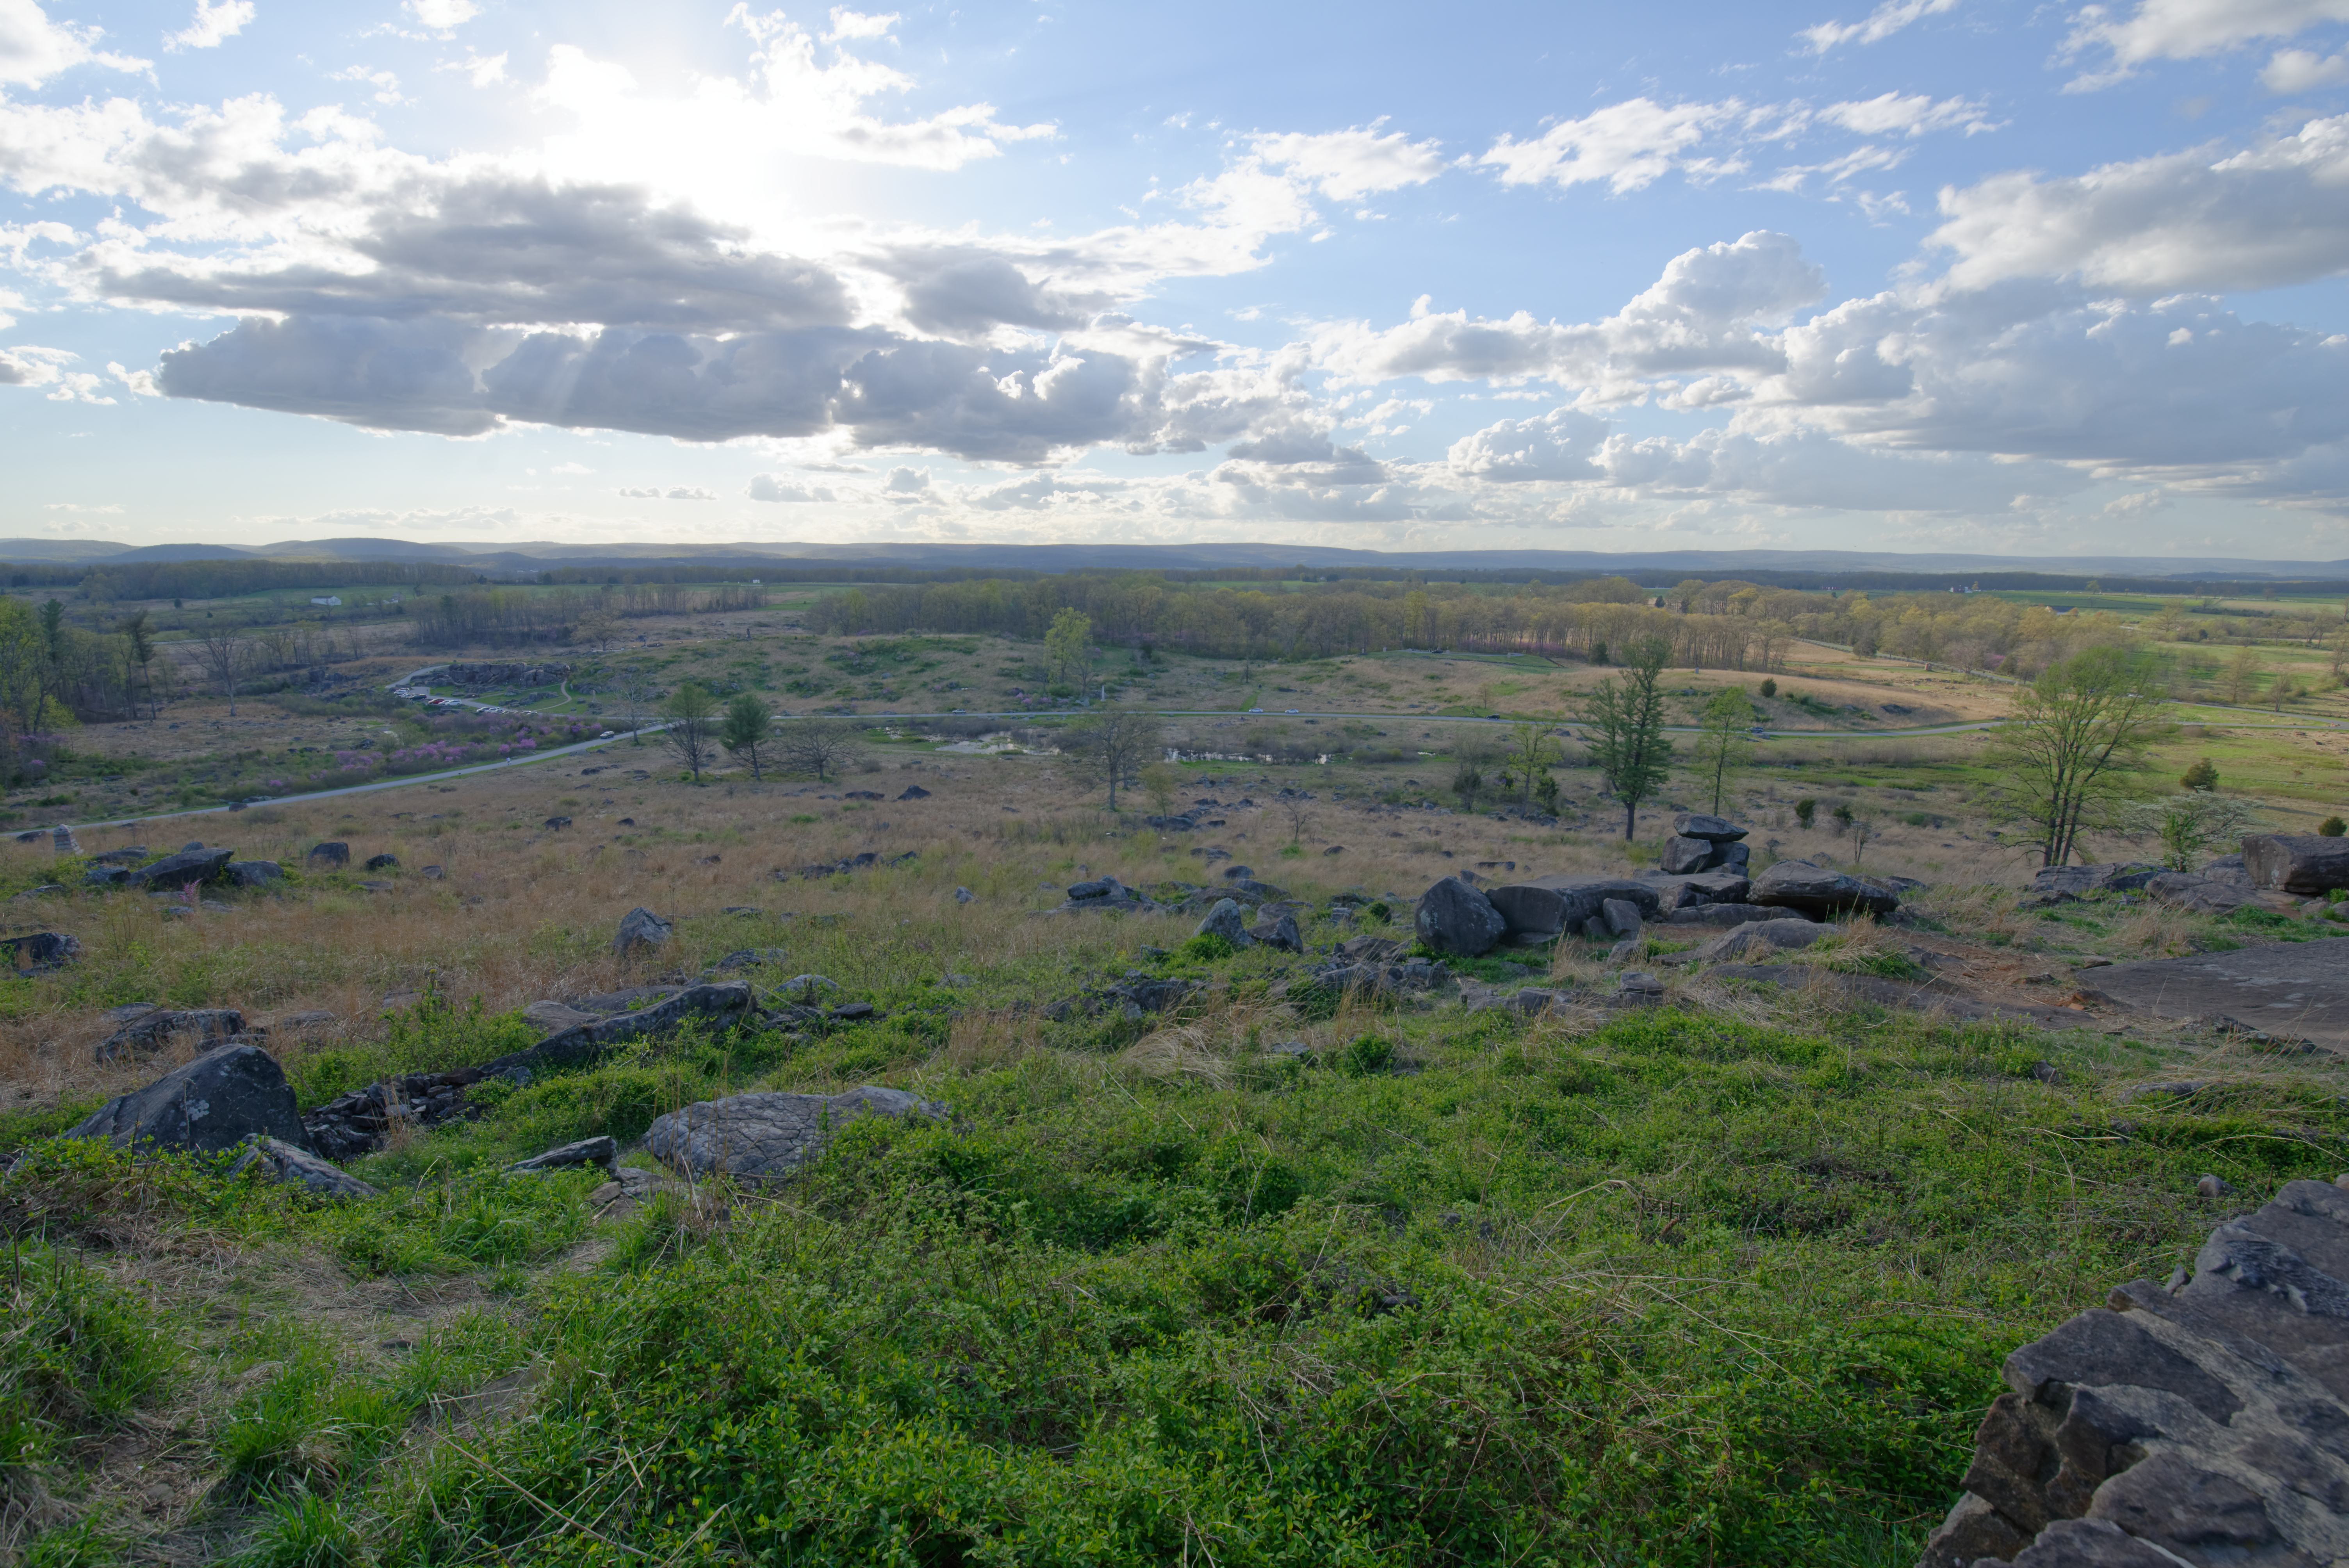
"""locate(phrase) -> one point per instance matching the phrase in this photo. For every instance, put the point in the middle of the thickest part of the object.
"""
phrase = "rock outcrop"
(2305, 864)
(212, 1103)
(767, 1137)
(1820, 892)
(2194, 1422)
(1542, 909)
(143, 1028)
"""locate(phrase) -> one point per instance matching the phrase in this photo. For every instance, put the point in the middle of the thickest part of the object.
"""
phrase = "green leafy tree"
(2188, 824)
(1724, 740)
(1533, 752)
(1628, 743)
(691, 715)
(748, 730)
(2079, 731)
(1068, 647)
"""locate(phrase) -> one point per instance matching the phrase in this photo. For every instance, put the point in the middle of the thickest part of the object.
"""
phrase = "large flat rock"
(2298, 989)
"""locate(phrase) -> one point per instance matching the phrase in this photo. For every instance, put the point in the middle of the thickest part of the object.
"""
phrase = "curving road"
(581, 747)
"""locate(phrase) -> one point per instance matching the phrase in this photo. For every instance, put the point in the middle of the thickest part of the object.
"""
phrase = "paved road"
(575, 750)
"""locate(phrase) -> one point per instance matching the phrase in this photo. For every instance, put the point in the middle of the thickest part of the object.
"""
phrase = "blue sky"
(1941, 274)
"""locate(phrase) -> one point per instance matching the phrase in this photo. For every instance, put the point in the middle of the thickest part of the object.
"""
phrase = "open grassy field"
(1270, 1278)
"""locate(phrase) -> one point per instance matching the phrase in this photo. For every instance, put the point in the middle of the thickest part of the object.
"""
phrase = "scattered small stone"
(274, 1159)
(641, 929)
(603, 1150)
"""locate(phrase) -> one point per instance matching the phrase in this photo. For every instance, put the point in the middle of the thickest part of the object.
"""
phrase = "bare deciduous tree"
(226, 654)
(819, 745)
(1112, 749)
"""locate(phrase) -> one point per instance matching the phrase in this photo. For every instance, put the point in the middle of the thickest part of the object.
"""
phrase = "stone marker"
(2295, 990)
(767, 1137)
(212, 1103)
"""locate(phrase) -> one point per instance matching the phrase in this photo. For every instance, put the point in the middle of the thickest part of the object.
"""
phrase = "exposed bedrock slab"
(2296, 989)
(2202, 1422)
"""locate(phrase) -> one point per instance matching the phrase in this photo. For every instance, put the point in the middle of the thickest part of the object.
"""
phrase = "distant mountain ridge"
(526, 555)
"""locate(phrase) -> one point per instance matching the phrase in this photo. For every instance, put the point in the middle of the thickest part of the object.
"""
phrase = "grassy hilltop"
(1275, 1277)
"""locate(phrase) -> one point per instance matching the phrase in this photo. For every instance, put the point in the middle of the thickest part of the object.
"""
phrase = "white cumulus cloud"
(774, 488)
(1875, 28)
(2186, 29)
(2211, 218)
(214, 23)
(33, 49)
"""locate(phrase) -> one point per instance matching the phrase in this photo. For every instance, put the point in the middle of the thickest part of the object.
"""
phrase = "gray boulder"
(1758, 942)
(1227, 921)
(2054, 884)
(274, 1159)
(1717, 829)
(142, 1029)
(600, 1150)
(767, 1137)
(1820, 892)
(2305, 864)
(1682, 855)
(1676, 893)
(330, 854)
(1452, 917)
(178, 870)
(254, 874)
(553, 1018)
(212, 1103)
(40, 950)
(1278, 931)
(2196, 893)
(1722, 916)
(1542, 908)
(641, 931)
(582, 1044)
